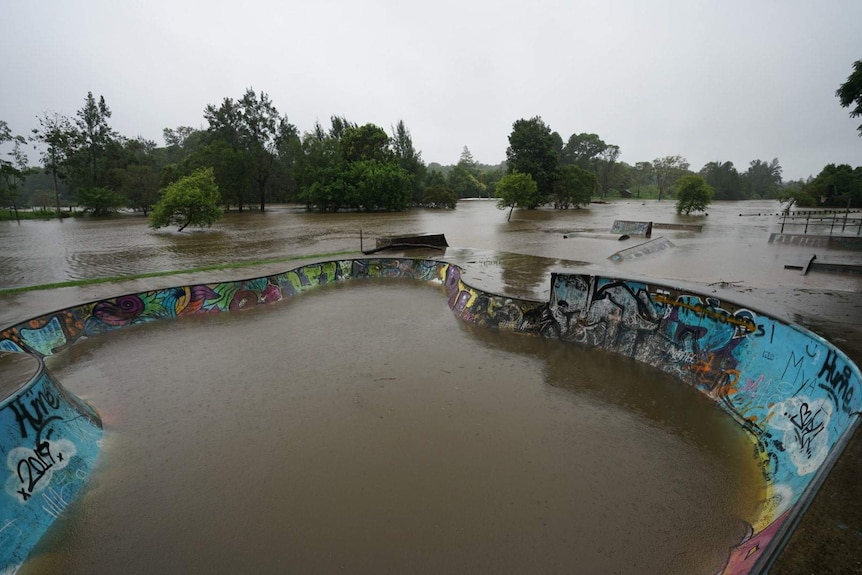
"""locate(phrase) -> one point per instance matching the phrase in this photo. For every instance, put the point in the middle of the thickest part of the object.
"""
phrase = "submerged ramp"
(640, 250)
(795, 395)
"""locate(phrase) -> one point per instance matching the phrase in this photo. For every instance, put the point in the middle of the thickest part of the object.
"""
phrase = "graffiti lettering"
(37, 415)
(682, 355)
(807, 426)
(33, 468)
(719, 315)
(768, 355)
(838, 380)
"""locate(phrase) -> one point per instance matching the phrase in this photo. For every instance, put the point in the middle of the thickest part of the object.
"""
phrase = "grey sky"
(709, 80)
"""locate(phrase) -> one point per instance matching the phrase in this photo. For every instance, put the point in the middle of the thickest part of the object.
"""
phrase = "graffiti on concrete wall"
(794, 393)
(49, 441)
(632, 228)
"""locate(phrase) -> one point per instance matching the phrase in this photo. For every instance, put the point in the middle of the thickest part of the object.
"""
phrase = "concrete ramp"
(632, 228)
(796, 396)
(641, 250)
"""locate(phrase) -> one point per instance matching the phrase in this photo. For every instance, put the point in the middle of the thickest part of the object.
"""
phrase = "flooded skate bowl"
(381, 424)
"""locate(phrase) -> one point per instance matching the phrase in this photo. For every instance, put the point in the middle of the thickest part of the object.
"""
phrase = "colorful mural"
(795, 394)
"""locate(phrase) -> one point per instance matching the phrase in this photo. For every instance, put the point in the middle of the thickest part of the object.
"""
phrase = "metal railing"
(819, 220)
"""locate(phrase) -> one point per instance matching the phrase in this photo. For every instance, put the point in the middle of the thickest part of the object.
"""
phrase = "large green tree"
(583, 150)
(191, 201)
(252, 127)
(410, 160)
(352, 167)
(850, 93)
(693, 194)
(837, 186)
(724, 179)
(94, 143)
(533, 150)
(763, 179)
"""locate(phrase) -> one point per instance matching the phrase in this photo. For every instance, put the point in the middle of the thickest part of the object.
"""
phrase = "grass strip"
(230, 266)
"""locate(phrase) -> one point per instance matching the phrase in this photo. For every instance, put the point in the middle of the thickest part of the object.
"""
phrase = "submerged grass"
(228, 266)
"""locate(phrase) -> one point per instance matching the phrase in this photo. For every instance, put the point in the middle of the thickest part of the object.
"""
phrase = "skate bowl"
(795, 395)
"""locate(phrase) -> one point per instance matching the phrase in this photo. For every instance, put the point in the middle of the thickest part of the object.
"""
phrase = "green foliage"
(583, 150)
(353, 167)
(574, 186)
(409, 160)
(724, 179)
(439, 197)
(836, 185)
(253, 130)
(693, 194)
(517, 190)
(667, 171)
(797, 196)
(379, 186)
(100, 201)
(93, 145)
(850, 92)
(533, 150)
(763, 179)
(192, 200)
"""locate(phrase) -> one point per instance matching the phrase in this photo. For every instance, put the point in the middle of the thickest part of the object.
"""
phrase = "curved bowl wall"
(796, 395)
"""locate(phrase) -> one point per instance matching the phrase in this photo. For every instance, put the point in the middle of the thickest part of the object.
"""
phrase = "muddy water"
(361, 427)
(732, 247)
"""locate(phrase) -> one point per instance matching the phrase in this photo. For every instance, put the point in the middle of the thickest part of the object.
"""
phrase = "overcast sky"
(715, 80)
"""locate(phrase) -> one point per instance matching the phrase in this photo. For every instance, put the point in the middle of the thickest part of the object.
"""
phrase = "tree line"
(256, 155)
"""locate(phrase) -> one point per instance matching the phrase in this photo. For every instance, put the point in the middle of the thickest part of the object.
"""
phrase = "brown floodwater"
(361, 427)
(731, 247)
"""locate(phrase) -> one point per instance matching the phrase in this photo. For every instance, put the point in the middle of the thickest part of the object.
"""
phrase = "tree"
(379, 185)
(583, 150)
(608, 171)
(643, 175)
(574, 186)
(724, 179)
(693, 194)
(517, 190)
(12, 171)
(533, 150)
(193, 200)
(57, 135)
(100, 201)
(137, 178)
(252, 127)
(836, 186)
(763, 180)
(409, 160)
(92, 142)
(439, 197)
(351, 167)
(666, 171)
(850, 93)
